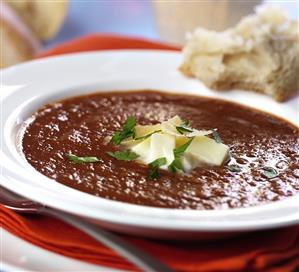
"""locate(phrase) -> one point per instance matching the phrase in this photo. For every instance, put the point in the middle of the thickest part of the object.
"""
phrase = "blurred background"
(152, 19)
(30, 26)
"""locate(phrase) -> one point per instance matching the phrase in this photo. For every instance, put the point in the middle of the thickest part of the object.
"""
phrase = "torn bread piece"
(260, 54)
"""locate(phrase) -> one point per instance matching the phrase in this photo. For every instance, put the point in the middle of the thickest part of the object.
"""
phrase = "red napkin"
(105, 42)
(273, 250)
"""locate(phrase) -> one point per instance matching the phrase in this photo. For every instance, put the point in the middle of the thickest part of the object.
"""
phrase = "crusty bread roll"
(18, 43)
(43, 17)
(261, 54)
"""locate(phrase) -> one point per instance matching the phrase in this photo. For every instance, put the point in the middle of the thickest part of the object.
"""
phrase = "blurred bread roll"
(43, 17)
(24, 24)
(18, 42)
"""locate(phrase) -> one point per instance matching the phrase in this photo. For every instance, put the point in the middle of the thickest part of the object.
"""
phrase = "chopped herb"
(183, 128)
(186, 123)
(270, 172)
(216, 136)
(234, 168)
(147, 136)
(77, 159)
(127, 131)
(154, 166)
(176, 164)
(126, 155)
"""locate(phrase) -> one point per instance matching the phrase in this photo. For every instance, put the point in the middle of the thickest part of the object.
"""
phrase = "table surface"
(128, 17)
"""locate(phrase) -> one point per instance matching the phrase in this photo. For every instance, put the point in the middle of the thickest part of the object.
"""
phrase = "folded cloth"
(274, 250)
(105, 42)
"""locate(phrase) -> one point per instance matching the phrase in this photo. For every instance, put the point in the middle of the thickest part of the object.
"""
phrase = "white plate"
(20, 255)
(30, 85)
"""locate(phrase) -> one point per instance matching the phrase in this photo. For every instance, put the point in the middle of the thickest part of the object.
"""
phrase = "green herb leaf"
(77, 159)
(270, 172)
(158, 162)
(179, 151)
(127, 131)
(176, 164)
(154, 166)
(216, 136)
(186, 123)
(182, 129)
(126, 155)
(147, 136)
(234, 168)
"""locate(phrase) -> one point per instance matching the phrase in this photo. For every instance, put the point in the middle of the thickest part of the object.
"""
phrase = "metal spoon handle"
(133, 254)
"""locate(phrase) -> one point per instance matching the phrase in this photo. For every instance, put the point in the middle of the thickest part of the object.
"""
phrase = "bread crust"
(14, 48)
(272, 60)
(43, 17)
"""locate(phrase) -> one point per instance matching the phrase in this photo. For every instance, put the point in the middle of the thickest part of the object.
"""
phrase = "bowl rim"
(20, 177)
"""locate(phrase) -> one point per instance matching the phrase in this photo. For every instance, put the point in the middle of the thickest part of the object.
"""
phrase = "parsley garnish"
(126, 155)
(183, 128)
(154, 166)
(77, 159)
(269, 172)
(147, 135)
(186, 123)
(234, 168)
(176, 164)
(216, 136)
(127, 131)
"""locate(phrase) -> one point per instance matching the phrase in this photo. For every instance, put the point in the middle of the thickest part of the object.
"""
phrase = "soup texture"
(264, 151)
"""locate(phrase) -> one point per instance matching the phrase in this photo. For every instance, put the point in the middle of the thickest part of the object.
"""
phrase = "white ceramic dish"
(28, 86)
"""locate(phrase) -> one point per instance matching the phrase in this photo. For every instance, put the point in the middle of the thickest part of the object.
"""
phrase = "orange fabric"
(105, 42)
(272, 250)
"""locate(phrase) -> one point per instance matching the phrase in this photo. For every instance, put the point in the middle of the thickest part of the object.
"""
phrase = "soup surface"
(80, 125)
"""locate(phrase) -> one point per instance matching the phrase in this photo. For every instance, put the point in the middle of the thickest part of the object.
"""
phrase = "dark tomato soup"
(80, 125)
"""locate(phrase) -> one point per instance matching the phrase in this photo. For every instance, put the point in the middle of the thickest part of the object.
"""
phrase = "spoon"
(135, 255)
